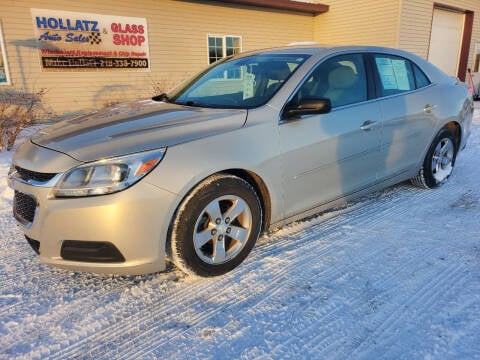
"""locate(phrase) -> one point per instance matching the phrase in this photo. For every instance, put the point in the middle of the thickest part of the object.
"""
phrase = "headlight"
(107, 176)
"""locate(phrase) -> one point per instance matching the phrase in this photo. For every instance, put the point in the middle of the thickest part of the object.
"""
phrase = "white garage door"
(446, 39)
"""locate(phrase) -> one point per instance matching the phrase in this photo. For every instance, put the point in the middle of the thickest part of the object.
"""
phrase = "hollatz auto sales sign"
(72, 41)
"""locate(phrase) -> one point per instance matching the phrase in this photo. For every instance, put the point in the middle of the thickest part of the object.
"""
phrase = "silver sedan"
(253, 142)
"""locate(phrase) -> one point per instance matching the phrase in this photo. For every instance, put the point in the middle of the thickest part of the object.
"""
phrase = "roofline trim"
(288, 5)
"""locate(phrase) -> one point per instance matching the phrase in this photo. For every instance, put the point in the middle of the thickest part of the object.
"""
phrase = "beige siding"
(178, 46)
(367, 22)
(416, 22)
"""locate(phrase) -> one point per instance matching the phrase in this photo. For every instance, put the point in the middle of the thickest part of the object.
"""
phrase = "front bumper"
(134, 221)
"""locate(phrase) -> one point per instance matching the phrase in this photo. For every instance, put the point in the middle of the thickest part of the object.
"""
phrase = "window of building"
(220, 46)
(4, 74)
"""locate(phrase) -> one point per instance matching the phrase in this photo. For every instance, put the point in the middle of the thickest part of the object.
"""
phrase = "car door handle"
(428, 108)
(368, 125)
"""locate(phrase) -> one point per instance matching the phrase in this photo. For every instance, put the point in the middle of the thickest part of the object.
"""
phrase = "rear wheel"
(439, 161)
(216, 226)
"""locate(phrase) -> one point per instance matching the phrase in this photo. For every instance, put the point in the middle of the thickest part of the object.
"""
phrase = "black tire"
(198, 220)
(439, 162)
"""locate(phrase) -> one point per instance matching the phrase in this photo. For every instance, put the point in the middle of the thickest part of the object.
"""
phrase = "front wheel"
(216, 226)
(439, 161)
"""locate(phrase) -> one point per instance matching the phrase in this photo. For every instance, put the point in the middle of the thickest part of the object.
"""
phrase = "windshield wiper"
(190, 103)
(162, 97)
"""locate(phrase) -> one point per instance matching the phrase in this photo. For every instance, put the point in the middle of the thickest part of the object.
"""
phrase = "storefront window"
(4, 75)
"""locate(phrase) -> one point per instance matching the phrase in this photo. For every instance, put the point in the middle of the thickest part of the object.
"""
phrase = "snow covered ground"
(393, 276)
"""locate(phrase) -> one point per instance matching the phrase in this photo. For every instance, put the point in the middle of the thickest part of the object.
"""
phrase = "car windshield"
(245, 82)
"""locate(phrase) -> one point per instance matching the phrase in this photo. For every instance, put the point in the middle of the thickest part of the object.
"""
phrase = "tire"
(216, 226)
(439, 161)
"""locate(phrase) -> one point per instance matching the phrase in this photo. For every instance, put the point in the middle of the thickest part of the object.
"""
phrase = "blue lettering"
(94, 26)
(47, 37)
(79, 26)
(70, 37)
(42, 22)
(67, 24)
(52, 23)
(60, 23)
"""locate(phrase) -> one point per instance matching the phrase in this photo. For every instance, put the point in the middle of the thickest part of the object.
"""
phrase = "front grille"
(24, 207)
(34, 244)
(28, 175)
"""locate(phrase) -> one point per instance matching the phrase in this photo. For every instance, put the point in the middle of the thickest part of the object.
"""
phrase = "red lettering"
(135, 40)
(127, 28)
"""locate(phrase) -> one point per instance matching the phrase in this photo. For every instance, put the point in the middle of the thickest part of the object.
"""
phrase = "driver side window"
(342, 79)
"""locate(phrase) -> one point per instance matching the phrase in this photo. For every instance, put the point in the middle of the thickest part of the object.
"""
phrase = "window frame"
(3, 54)
(372, 79)
(224, 45)
(378, 82)
(369, 78)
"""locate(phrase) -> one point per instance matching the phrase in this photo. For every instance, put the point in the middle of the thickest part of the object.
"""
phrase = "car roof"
(311, 49)
(323, 50)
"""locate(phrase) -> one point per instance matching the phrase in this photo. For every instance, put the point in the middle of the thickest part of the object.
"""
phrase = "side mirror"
(161, 97)
(308, 106)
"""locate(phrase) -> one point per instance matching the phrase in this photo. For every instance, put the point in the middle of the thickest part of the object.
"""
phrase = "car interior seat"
(342, 87)
(271, 77)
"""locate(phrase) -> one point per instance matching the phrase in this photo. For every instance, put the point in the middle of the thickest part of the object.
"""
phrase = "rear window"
(420, 78)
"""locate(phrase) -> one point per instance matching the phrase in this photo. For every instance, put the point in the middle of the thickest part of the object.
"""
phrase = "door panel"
(325, 156)
(408, 105)
(408, 124)
(329, 155)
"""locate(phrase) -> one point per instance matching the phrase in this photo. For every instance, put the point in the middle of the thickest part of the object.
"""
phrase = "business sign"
(72, 41)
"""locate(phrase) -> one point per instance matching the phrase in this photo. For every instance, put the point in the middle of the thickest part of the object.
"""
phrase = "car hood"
(135, 126)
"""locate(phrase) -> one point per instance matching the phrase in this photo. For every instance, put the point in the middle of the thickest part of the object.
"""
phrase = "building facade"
(91, 54)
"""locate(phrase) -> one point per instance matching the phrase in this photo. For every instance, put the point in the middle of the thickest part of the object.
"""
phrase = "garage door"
(446, 40)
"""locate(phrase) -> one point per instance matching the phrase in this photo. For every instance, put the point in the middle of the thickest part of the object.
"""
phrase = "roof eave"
(288, 5)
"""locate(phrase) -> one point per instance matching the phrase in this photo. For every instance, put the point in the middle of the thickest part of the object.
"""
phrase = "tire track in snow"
(329, 315)
(427, 294)
(370, 330)
(431, 300)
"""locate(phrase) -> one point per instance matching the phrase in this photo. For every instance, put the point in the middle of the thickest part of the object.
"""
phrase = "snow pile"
(393, 276)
